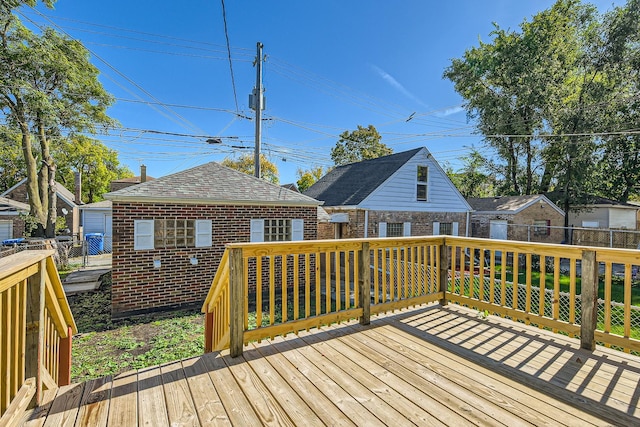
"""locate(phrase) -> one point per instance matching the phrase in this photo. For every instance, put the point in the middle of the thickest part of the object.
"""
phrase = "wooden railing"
(267, 289)
(37, 327)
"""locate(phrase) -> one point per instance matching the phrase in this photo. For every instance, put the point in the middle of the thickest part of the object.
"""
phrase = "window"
(423, 176)
(445, 228)
(174, 233)
(395, 229)
(277, 230)
(541, 227)
(171, 233)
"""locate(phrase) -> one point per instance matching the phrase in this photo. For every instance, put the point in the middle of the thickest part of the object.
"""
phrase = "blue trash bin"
(13, 242)
(95, 243)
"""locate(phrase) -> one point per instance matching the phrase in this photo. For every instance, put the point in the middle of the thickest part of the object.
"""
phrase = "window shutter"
(142, 234)
(382, 230)
(548, 227)
(436, 228)
(454, 227)
(297, 229)
(203, 233)
(406, 229)
(257, 230)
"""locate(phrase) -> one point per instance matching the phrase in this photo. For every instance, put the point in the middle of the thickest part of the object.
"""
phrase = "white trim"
(257, 230)
(203, 233)
(143, 234)
(297, 230)
(382, 229)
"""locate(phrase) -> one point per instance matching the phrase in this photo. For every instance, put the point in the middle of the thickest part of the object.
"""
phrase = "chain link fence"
(70, 251)
(580, 236)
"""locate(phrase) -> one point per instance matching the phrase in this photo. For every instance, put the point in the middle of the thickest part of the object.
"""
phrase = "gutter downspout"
(466, 231)
(366, 223)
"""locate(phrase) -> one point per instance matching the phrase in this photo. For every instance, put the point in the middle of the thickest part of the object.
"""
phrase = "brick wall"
(516, 224)
(72, 217)
(139, 288)
(421, 222)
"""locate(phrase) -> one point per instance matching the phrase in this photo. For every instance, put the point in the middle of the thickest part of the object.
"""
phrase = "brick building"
(531, 218)
(170, 233)
(66, 204)
(404, 194)
(11, 222)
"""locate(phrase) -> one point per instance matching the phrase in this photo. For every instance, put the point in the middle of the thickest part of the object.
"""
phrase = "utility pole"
(257, 105)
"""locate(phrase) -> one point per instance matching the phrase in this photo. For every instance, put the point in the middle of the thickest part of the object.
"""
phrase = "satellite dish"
(64, 211)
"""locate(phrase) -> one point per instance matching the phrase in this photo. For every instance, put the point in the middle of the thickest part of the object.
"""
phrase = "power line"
(226, 35)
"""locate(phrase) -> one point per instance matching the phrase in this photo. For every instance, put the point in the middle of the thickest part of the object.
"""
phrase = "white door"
(498, 229)
(6, 230)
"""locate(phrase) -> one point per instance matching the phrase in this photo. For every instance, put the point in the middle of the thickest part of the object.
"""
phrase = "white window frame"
(257, 230)
(454, 228)
(420, 183)
(203, 233)
(143, 239)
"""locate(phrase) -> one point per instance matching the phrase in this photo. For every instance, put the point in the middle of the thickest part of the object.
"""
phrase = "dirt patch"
(107, 347)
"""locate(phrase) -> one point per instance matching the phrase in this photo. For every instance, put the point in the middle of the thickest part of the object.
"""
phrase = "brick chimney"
(143, 173)
(78, 187)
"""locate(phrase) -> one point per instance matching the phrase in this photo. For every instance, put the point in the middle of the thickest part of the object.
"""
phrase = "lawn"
(106, 347)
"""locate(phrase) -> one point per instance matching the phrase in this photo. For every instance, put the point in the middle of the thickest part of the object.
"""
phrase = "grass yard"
(104, 347)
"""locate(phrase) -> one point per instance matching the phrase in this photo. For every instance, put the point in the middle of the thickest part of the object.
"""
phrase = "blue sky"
(330, 66)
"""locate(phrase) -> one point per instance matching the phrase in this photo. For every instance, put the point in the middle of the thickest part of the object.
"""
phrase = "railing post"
(364, 283)
(64, 365)
(236, 284)
(443, 272)
(589, 300)
(208, 332)
(34, 342)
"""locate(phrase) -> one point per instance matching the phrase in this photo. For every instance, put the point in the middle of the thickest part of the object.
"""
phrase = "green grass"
(106, 347)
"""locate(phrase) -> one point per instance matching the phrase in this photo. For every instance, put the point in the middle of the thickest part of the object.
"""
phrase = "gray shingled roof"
(211, 183)
(350, 184)
(507, 204)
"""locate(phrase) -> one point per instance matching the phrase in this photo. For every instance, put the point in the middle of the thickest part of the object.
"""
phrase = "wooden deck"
(428, 366)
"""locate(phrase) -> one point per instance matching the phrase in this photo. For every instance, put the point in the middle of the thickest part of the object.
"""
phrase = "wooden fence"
(267, 289)
(36, 327)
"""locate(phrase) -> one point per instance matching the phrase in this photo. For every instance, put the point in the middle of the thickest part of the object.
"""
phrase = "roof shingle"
(350, 184)
(211, 183)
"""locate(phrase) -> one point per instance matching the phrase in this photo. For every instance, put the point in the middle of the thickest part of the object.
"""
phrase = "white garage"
(96, 218)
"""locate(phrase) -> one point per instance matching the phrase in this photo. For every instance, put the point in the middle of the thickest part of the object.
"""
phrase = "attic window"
(421, 190)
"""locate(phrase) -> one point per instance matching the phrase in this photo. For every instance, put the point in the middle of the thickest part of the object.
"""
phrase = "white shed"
(96, 218)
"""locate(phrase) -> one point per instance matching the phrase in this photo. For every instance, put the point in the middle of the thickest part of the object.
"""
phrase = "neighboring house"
(119, 184)
(11, 224)
(531, 218)
(404, 194)
(169, 234)
(605, 213)
(96, 218)
(65, 204)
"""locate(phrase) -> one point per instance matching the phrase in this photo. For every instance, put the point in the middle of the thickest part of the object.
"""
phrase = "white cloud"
(451, 111)
(396, 84)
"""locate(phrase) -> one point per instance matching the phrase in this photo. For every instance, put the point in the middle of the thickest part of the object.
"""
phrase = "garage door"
(6, 230)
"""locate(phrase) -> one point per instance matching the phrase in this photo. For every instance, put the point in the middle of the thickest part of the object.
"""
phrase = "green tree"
(245, 163)
(12, 166)
(541, 97)
(474, 179)
(360, 144)
(49, 89)
(306, 178)
(98, 164)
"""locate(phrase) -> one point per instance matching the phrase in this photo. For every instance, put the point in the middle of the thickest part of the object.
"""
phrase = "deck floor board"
(430, 365)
